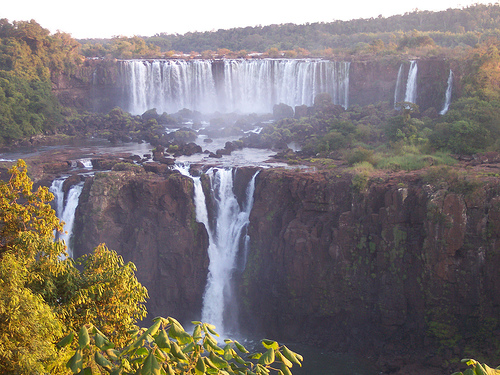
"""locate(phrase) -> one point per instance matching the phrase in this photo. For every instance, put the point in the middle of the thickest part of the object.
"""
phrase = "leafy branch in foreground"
(166, 348)
(478, 368)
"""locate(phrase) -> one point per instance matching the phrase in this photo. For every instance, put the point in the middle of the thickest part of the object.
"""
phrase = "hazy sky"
(107, 18)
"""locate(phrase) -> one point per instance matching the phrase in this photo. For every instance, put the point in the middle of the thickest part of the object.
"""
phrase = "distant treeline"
(449, 28)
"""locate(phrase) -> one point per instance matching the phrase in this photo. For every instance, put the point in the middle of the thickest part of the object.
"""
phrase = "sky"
(108, 18)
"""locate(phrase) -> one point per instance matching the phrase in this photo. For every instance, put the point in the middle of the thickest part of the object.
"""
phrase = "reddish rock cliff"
(149, 220)
(401, 267)
(407, 266)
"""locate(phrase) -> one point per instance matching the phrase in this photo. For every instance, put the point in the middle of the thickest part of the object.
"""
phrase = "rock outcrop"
(149, 219)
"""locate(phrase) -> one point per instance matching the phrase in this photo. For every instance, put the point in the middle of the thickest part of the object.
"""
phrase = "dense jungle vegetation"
(450, 28)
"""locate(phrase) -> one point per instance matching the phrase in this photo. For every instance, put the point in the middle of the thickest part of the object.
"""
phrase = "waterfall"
(447, 97)
(411, 83)
(65, 208)
(399, 85)
(228, 241)
(246, 86)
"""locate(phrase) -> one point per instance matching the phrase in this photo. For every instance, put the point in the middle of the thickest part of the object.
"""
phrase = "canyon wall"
(405, 262)
(401, 265)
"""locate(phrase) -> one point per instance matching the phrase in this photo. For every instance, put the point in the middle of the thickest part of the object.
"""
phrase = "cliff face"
(404, 265)
(93, 86)
(97, 86)
(375, 81)
(410, 263)
(149, 220)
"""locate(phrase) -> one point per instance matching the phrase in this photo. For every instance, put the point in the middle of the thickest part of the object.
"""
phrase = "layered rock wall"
(400, 266)
(408, 263)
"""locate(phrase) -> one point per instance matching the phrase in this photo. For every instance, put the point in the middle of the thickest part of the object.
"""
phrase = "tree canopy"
(43, 295)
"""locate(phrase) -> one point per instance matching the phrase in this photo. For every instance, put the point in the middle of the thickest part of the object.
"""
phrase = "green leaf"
(170, 370)
(227, 352)
(66, 340)
(267, 358)
(142, 352)
(197, 332)
(291, 356)
(102, 361)
(270, 344)
(174, 321)
(83, 337)
(188, 348)
(217, 361)
(261, 369)
(255, 356)
(240, 347)
(154, 328)
(283, 359)
(177, 332)
(209, 363)
(112, 354)
(101, 342)
(151, 365)
(95, 331)
(177, 352)
(162, 340)
(285, 370)
(200, 367)
(211, 329)
(75, 363)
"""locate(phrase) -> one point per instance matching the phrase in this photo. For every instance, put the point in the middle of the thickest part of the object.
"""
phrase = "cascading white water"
(65, 208)
(57, 189)
(411, 83)
(447, 98)
(399, 86)
(246, 86)
(168, 85)
(228, 239)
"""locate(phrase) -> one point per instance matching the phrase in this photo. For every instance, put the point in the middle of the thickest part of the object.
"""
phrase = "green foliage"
(166, 348)
(478, 368)
(361, 154)
(29, 57)
(43, 294)
(410, 161)
(361, 176)
(417, 29)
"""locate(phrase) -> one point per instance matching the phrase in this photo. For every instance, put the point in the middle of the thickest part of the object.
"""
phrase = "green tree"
(42, 293)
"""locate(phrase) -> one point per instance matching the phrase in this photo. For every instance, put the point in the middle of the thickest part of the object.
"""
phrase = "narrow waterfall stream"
(228, 242)
(399, 85)
(447, 98)
(411, 83)
(65, 208)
